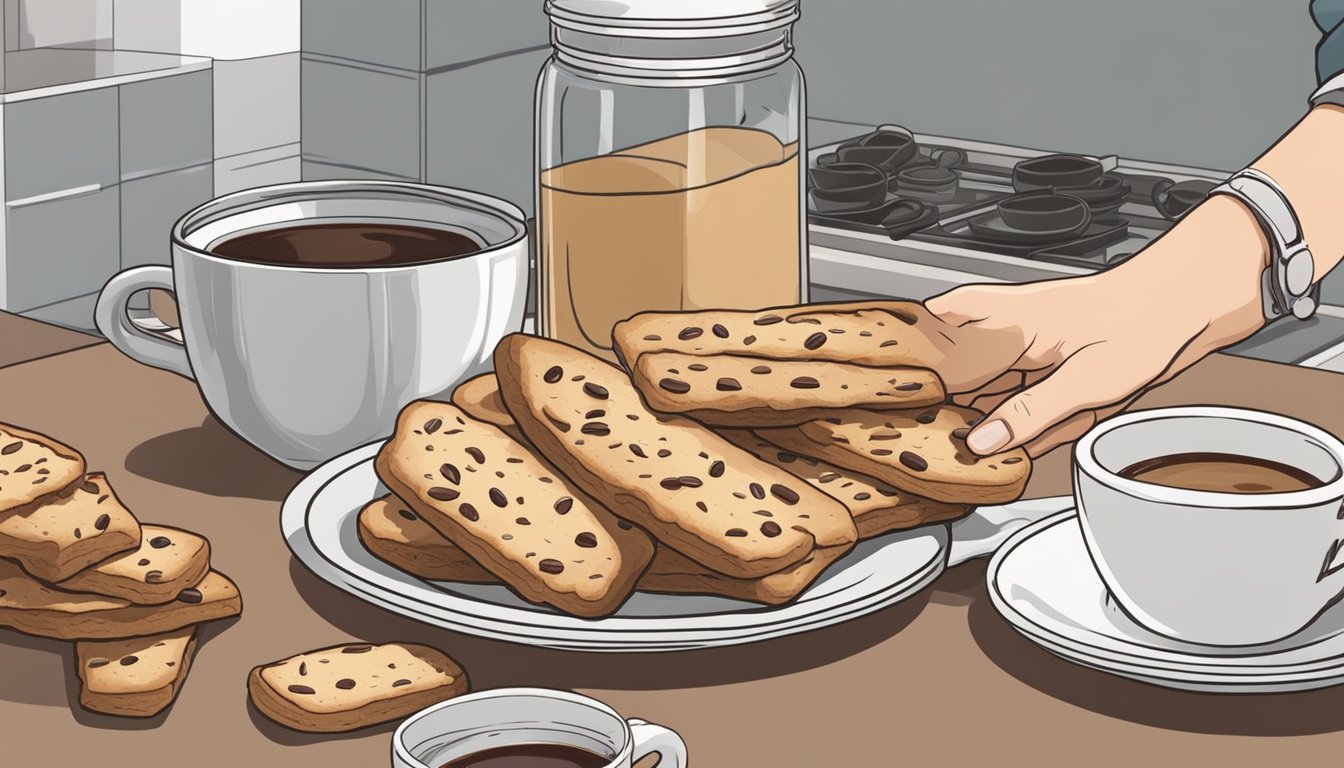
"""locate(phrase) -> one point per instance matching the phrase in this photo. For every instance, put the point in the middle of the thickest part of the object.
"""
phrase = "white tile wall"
(362, 116)
(479, 126)
(386, 32)
(458, 31)
(220, 29)
(256, 104)
(83, 23)
(278, 165)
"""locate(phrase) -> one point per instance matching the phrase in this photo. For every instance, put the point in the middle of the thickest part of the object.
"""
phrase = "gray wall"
(1201, 82)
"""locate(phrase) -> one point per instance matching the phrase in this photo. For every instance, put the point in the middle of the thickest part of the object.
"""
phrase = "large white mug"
(306, 362)
(510, 716)
(1213, 568)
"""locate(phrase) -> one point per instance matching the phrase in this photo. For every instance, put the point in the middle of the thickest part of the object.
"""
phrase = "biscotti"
(877, 507)
(876, 334)
(736, 390)
(510, 512)
(690, 488)
(56, 540)
(167, 561)
(479, 398)
(138, 677)
(354, 686)
(411, 545)
(34, 468)
(922, 451)
(397, 535)
(36, 609)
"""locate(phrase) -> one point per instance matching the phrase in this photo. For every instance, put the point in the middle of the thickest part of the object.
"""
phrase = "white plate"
(1043, 582)
(319, 524)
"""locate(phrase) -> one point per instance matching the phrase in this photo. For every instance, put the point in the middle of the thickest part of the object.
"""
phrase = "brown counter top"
(22, 339)
(939, 677)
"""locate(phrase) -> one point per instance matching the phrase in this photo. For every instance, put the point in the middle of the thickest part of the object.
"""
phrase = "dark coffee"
(531, 756)
(1221, 473)
(353, 246)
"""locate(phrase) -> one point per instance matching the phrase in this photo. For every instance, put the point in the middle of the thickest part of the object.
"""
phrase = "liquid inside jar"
(708, 219)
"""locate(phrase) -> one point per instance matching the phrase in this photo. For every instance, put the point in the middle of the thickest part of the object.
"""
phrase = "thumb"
(1089, 379)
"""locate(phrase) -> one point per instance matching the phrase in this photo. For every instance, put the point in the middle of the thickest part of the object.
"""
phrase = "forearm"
(1206, 269)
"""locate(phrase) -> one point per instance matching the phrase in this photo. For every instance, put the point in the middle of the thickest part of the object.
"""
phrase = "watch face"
(1298, 272)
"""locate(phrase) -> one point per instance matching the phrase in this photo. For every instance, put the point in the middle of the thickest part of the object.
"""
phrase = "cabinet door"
(62, 248)
(151, 205)
(166, 123)
(61, 142)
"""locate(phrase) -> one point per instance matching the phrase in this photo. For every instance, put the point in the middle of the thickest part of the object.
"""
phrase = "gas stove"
(932, 243)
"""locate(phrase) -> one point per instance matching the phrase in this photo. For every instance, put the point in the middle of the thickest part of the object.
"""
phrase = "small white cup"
(506, 716)
(1225, 569)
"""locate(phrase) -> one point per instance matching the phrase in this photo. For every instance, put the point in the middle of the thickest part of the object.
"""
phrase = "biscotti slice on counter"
(690, 488)
(354, 686)
(34, 468)
(510, 512)
(63, 536)
(736, 390)
(921, 451)
(878, 334)
(479, 398)
(877, 507)
(37, 609)
(137, 677)
(167, 561)
(395, 534)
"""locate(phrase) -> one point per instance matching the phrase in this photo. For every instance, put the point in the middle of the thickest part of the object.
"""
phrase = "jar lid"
(679, 18)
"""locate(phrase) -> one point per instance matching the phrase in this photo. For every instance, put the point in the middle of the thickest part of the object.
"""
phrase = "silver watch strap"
(1287, 284)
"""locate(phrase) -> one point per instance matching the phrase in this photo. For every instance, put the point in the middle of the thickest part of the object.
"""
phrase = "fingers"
(1093, 378)
(959, 306)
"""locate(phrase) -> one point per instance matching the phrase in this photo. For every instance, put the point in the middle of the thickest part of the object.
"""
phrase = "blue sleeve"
(1329, 17)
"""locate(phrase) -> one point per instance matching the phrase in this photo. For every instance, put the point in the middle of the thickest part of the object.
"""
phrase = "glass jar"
(668, 170)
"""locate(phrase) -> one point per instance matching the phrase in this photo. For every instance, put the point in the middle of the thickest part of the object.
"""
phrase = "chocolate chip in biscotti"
(330, 691)
(62, 468)
(44, 542)
(876, 334)
(508, 503)
(138, 677)
(675, 478)
(710, 388)
(151, 574)
(916, 451)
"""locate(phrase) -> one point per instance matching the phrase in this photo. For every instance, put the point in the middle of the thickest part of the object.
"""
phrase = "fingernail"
(989, 437)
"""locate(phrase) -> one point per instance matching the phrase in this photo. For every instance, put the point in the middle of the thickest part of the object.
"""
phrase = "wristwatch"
(1286, 285)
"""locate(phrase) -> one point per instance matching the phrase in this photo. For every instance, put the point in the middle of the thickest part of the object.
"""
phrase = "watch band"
(1286, 285)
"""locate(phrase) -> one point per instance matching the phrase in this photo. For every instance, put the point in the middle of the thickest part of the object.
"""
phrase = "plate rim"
(298, 504)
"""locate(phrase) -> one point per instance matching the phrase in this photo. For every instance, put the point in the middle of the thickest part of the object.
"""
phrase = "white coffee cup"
(306, 362)
(1214, 568)
(509, 716)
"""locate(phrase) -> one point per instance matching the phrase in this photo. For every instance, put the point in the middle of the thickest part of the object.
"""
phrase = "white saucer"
(318, 520)
(1044, 584)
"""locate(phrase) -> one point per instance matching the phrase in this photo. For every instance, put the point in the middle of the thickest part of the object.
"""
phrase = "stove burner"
(1175, 199)
(889, 147)
(936, 183)
(1055, 171)
(846, 186)
(1034, 217)
(895, 218)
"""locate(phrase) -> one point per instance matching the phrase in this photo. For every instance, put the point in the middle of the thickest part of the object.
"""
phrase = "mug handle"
(650, 739)
(113, 321)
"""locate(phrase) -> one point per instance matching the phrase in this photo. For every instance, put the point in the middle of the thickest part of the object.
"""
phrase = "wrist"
(1205, 272)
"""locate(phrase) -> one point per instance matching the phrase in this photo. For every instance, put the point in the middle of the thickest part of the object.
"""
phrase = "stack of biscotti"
(853, 386)
(560, 483)
(76, 564)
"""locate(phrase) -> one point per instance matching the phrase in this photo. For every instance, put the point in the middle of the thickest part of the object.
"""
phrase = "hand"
(1047, 360)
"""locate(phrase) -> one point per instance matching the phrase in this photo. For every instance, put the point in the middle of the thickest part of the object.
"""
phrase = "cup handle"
(1159, 196)
(650, 739)
(113, 321)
